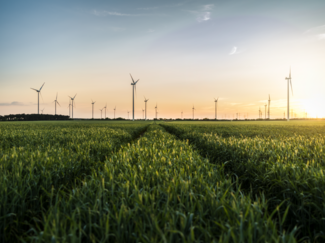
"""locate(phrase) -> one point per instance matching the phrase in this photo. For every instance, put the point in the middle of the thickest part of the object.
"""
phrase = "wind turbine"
(72, 99)
(142, 113)
(145, 101)
(215, 109)
(38, 92)
(56, 102)
(69, 106)
(193, 111)
(105, 109)
(43, 110)
(269, 106)
(156, 108)
(114, 112)
(92, 104)
(128, 115)
(182, 114)
(134, 88)
(289, 80)
(101, 113)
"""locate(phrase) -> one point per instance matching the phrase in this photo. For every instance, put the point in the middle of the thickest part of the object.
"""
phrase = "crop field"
(106, 181)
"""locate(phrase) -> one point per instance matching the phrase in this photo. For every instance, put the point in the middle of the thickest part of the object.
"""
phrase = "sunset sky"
(185, 53)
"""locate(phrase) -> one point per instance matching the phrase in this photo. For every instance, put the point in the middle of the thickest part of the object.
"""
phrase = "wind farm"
(230, 154)
(136, 115)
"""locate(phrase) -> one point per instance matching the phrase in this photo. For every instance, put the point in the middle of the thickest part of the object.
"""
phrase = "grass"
(98, 181)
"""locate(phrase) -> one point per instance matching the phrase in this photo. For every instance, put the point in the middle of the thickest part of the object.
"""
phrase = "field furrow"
(47, 162)
(158, 189)
(289, 171)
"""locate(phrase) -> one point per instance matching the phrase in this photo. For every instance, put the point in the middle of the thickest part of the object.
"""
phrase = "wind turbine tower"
(101, 113)
(128, 115)
(145, 102)
(105, 110)
(69, 107)
(56, 102)
(38, 92)
(92, 104)
(156, 108)
(193, 111)
(134, 88)
(288, 81)
(269, 106)
(114, 111)
(72, 99)
(215, 108)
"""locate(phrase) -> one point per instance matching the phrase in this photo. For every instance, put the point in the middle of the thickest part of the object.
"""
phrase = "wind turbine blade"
(41, 96)
(75, 96)
(58, 103)
(70, 97)
(132, 78)
(34, 89)
(290, 73)
(291, 86)
(41, 87)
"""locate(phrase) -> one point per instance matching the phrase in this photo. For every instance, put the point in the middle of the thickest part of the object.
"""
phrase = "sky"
(184, 53)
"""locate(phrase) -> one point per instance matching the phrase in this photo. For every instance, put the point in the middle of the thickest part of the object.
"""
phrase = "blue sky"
(185, 53)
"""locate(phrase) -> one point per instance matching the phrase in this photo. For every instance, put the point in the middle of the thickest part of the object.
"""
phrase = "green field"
(109, 181)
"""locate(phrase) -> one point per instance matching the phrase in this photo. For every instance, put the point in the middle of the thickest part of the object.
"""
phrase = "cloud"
(233, 50)
(203, 14)
(316, 29)
(317, 32)
(15, 103)
(251, 104)
(204, 17)
(106, 13)
(282, 103)
(321, 36)
(208, 7)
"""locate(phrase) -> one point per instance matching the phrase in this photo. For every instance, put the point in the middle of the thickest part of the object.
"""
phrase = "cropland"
(108, 181)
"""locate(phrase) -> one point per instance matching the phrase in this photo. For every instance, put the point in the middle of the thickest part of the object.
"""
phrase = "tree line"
(32, 117)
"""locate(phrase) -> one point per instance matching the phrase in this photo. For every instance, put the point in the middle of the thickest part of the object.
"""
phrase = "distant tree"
(33, 117)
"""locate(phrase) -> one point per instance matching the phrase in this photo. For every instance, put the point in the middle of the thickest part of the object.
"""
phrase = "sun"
(315, 107)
